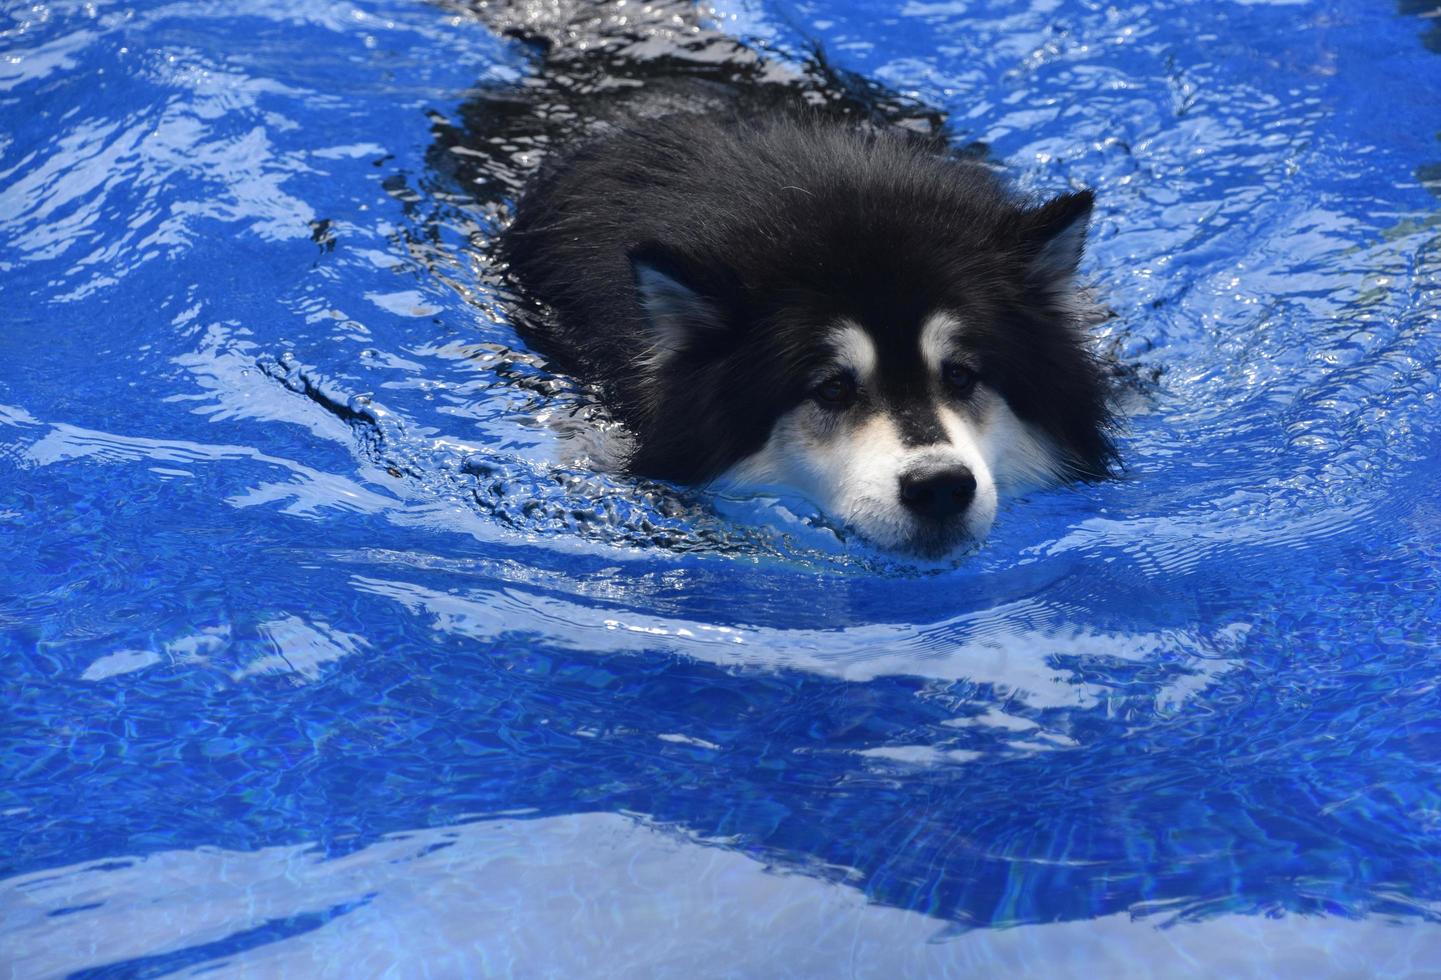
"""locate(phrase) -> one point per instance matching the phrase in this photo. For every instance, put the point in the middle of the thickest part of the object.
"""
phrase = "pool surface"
(319, 661)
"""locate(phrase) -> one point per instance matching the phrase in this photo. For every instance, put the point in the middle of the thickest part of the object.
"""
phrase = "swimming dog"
(798, 294)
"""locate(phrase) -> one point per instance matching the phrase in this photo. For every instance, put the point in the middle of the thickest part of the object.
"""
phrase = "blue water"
(316, 661)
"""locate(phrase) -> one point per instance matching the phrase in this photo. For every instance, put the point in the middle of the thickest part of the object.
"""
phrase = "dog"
(775, 290)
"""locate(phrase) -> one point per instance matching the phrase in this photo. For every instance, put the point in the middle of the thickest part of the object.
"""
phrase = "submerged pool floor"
(315, 661)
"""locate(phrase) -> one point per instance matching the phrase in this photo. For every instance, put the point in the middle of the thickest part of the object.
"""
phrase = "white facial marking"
(854, 350)
(851, 462)
(1022, 457)
(938, 341)
(1019, 456)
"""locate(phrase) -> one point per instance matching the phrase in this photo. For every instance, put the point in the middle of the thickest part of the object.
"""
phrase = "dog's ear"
(1054, 237)
(677, 312)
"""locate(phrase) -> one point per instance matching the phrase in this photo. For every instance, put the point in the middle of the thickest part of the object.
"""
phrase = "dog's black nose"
(938, 493)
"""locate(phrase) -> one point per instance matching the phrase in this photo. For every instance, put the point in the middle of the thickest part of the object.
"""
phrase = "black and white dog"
(799, 294)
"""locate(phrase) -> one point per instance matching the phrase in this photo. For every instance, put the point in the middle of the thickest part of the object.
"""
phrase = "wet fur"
(699, 266)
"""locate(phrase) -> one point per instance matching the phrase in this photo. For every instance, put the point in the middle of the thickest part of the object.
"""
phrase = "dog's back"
(602, 64)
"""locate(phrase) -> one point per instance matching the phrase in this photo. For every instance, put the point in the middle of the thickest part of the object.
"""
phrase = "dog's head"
(904, 361)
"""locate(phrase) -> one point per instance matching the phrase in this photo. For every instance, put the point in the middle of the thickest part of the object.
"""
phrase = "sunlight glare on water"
(327, 653)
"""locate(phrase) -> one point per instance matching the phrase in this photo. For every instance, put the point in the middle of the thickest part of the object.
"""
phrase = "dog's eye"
(836, 393)
(959, 378)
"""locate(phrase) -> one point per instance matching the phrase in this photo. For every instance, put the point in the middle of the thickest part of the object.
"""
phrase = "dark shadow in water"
(273, 931)
(597, 64)
(1429, 174)
(1430, 12)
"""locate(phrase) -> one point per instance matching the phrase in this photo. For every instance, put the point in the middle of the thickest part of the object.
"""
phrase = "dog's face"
(904, 393)
(903, 441)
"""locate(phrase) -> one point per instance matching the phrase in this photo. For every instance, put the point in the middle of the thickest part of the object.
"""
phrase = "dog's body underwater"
(845, 308)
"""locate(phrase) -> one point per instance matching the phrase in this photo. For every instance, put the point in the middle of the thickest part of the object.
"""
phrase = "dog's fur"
(820, 300)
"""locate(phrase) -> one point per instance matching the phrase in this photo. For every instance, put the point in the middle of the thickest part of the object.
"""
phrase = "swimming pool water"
(316, 662)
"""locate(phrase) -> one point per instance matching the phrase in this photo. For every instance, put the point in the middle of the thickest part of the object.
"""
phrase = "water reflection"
(598, 894)
(308, 626)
